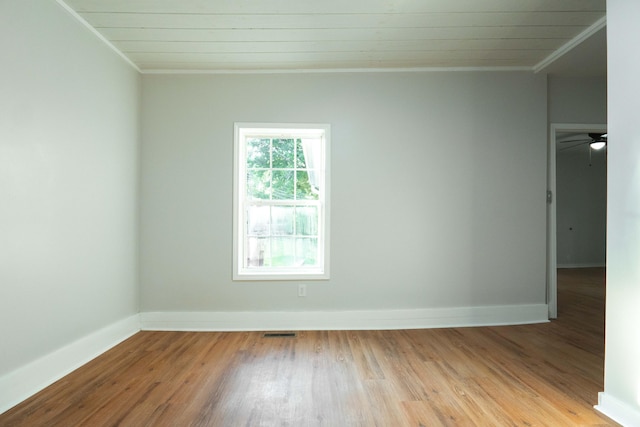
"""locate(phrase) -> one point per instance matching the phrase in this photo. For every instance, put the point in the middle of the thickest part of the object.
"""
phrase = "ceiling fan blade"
(582, 140)
(575, 146)
(598, 136)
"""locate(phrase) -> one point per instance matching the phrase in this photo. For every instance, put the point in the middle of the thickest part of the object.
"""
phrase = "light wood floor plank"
(528, 375)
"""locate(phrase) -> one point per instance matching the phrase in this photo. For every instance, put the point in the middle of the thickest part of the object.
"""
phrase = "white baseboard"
(345, 320)
(29, 379)
(618, 411)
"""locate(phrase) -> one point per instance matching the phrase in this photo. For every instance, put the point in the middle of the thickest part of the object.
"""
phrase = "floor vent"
(279, 334)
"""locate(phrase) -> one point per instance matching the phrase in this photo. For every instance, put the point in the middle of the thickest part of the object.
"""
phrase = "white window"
(281, 202)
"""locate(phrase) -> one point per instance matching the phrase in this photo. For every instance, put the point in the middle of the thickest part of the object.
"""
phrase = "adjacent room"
(343, 213)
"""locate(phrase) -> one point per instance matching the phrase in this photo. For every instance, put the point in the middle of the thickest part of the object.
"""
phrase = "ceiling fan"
(596, 141)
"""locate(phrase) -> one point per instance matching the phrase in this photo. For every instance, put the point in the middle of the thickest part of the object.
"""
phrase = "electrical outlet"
(302, 290)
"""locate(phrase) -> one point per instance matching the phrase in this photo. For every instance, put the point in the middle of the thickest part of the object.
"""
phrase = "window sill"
(278, 276)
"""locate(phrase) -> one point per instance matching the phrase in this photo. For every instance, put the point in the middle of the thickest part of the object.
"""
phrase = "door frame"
(552, 229)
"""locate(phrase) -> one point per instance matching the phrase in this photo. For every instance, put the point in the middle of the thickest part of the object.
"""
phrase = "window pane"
(282, 220)
(304, 189)
(307, 221)
(282, 183)
(307, 251)
(259, 184)
(255, 251)
(258, 221)
(300, 163)
(283, 153)
(258, 153)
(282, 250)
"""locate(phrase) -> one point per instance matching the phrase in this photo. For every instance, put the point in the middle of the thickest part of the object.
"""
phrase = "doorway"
(556, 130)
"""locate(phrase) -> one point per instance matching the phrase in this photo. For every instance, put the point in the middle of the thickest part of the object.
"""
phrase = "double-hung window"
(281, 202)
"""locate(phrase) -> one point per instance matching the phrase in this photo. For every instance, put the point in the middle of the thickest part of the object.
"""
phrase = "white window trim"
(241, 130)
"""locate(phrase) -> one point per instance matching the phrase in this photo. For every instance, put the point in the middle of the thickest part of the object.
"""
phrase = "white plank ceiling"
(237, 35)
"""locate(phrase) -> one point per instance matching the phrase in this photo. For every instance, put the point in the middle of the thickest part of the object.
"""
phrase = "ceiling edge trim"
(565, 48)
(95, 32)
(341, 70)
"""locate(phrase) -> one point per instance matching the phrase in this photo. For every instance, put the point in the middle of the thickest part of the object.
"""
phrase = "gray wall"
(622, 348)
(438, 183)
(68, 180)
(581, 195)
(580, 188)
(577, 99)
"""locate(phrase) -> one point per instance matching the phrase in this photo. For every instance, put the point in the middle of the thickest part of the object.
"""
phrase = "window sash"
(315, 147)
(267, 230)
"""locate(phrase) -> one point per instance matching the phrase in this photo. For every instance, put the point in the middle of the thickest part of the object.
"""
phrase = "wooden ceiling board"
(543, 45)
(326, 21)
(288, 34)
(385, 56)
(333, 6)
(233, 67)
(348, 34)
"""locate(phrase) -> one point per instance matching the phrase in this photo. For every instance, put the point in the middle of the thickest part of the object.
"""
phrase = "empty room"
(341, 213)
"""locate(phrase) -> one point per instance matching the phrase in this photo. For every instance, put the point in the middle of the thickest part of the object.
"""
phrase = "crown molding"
(95, 32)
(567, 47)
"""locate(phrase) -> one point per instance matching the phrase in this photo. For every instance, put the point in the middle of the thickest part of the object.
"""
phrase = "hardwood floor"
(530, 375)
